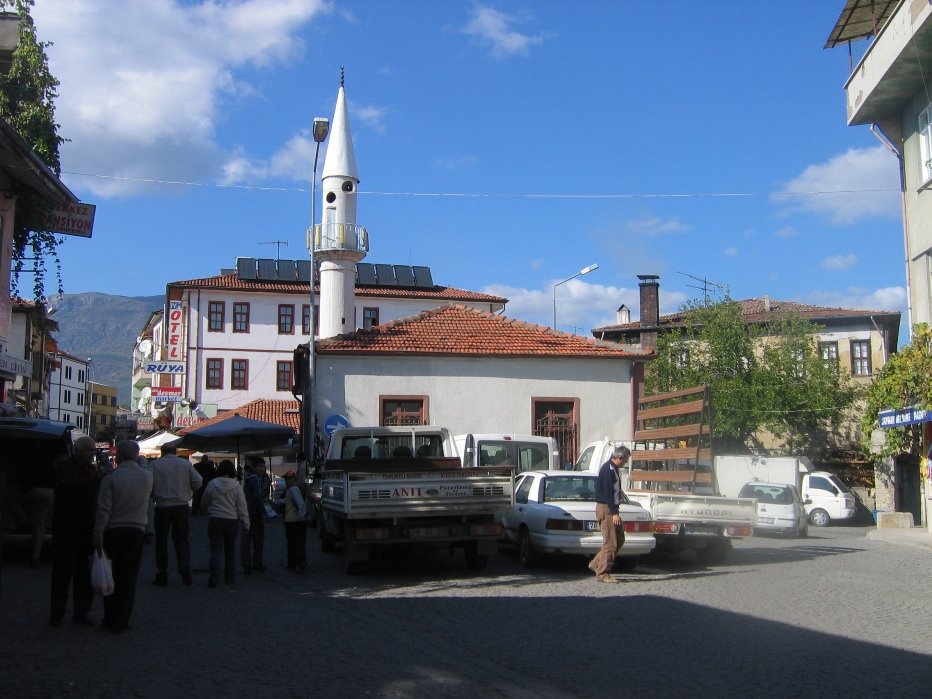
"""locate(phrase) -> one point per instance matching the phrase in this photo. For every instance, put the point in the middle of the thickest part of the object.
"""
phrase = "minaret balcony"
(340, 236)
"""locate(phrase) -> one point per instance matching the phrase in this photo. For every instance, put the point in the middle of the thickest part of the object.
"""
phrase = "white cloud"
(493, 29)
(786, 232)
(456, 163)
(141, 98)
(840, 263)
(580, 305)
(731, 252)
(654, 225)
(373, 117)
(861, 183)
(891, 298)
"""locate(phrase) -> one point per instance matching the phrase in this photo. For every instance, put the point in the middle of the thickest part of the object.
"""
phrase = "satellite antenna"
(144, 395)
(145, 348)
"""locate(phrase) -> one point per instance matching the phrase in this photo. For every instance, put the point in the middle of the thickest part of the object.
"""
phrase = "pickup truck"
(705, 524)
(405, 486)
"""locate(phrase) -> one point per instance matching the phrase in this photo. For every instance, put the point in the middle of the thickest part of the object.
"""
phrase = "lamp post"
(320, 131)
(584, 270)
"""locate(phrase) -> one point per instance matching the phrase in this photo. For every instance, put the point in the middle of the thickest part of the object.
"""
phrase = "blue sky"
(506, 145)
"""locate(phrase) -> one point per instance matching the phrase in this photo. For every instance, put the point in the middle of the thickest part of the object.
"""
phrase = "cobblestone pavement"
(836, 614)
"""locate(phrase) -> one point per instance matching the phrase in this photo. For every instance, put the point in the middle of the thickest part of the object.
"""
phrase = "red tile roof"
(754, 311)
(455, 330)
(281, 412)
(233, 282)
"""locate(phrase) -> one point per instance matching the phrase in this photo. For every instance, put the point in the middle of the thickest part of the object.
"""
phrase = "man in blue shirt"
(608, 498)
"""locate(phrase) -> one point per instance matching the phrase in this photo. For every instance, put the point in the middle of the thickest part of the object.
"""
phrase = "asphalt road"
(836, 614)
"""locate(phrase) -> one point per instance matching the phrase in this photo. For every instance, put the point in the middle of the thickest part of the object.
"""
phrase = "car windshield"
(569, 488)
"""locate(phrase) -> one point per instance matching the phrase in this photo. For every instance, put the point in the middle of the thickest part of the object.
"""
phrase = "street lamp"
(585, 270)
(320, 131)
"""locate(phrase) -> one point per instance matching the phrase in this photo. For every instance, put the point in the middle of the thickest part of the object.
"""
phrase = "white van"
(521, 452)
(779, 508)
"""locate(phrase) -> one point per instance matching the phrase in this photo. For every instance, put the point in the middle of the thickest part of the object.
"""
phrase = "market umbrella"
(236, 434)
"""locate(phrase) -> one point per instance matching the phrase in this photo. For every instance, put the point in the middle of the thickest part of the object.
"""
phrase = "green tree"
(904, 381)
(762, 377)
(27, 103)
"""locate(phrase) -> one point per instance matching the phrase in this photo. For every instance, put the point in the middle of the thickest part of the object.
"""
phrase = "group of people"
(110, 513)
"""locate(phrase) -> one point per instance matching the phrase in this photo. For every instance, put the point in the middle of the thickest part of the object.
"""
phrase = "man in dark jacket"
(255, 488)
(608, 498)
(76, 483)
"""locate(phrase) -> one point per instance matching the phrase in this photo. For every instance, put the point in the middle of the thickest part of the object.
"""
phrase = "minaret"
(338, 242)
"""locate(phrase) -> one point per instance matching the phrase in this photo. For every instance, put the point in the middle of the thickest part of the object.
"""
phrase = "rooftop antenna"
(705, 286)
(278, 249)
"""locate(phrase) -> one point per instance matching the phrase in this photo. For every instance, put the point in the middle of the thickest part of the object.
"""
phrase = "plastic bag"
(101, 574)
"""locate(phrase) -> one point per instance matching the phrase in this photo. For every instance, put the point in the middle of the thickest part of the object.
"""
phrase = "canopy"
(237, 434)
(152, 445)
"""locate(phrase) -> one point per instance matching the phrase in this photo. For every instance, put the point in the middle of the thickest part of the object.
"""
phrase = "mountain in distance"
(103, 328)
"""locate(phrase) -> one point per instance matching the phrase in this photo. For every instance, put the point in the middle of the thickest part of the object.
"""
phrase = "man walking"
(76, 483)
(174, 482)
(119, 528)
(608, 498)
(255, 488)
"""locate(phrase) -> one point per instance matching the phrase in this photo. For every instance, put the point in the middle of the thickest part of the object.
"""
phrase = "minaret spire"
(338, 242)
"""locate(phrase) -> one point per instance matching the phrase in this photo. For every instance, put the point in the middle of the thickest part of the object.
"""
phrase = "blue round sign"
(334, 422)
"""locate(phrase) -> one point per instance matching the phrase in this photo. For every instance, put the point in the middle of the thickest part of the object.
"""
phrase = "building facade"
(102, 411)
(69, 395)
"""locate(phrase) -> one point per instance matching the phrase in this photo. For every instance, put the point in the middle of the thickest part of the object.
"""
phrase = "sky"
(505, 144)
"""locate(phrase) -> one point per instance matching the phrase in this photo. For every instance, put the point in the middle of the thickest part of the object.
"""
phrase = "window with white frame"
(861, 357)
(925, 143)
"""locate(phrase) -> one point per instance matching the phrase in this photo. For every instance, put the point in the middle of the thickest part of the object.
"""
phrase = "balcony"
(340, 236)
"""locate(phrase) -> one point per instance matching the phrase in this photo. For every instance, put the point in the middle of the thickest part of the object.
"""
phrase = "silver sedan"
(554, 513)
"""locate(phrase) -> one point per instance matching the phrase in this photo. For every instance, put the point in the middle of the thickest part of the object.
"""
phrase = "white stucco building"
(68, 390)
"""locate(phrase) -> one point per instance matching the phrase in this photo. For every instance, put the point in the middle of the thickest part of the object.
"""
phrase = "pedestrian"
(119, 528)
(174, 482)
(207, 470)
(608, 498)
(225, 505)
(76, 483)
(255, 489)
(295, 523)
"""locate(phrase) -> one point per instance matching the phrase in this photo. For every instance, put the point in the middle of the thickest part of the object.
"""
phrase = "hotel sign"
(73, 219)
(175, 322)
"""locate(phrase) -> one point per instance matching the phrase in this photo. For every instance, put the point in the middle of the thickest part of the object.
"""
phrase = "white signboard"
(164, 368)
(175, 324)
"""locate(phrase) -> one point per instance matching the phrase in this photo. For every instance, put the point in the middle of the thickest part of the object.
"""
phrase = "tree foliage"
(763, 378)
(27, 103)
(904, 381)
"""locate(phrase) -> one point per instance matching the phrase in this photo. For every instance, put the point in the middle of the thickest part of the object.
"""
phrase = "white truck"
(825, 496)
(405, 486)
(521, 452)
(705, 524)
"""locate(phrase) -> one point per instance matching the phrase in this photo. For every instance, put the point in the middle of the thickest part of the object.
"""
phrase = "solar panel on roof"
(287, 270)
(246, 267)
(365, 274)
(304, 270)
(268, 270)
(385, 274)
(422, 277)
(404, 275)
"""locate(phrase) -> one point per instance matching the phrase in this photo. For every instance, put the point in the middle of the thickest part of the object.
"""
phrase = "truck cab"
(827, 498)
(521, 452)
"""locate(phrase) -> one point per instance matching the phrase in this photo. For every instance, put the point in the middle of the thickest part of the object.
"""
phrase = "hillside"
(104, 328)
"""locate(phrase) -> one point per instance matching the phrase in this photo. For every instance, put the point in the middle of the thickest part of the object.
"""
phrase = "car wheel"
(819, 518)
(526, 554)
(627, 563)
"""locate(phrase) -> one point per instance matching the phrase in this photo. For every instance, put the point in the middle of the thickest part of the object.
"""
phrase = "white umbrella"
(152, 446)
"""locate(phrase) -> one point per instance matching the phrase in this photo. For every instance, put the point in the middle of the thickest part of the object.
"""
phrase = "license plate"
(700, 530)
(427, 532)
(592, 526)
(765, 520)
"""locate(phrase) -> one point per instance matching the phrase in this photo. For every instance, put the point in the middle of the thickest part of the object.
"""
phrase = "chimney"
(650, 309)
(623, 315)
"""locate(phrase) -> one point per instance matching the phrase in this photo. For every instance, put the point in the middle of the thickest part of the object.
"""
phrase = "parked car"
(554, 513)
(30, 446)
(779, 508)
